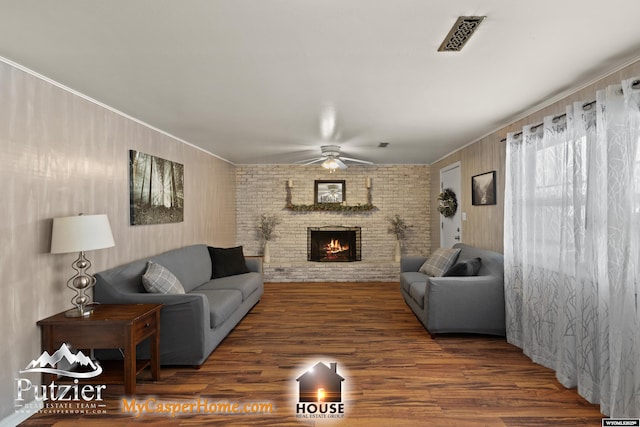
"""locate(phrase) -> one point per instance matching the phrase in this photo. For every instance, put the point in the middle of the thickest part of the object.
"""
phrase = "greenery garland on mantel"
(330, 207)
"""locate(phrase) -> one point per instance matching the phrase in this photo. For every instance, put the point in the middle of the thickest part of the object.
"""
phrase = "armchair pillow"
(468, 267)
(159, 280)
(227, 262)
(439, 262)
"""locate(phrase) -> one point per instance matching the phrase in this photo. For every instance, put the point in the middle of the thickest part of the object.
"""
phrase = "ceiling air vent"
(460, 33)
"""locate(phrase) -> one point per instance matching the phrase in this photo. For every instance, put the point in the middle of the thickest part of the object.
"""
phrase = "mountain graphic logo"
(47, 363)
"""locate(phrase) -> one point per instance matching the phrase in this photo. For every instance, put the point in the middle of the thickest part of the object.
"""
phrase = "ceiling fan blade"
(340, 163)
(309, 161)
(356, 160)
(328, 122)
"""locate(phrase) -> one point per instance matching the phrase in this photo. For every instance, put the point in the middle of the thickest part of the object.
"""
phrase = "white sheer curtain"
(572, 246)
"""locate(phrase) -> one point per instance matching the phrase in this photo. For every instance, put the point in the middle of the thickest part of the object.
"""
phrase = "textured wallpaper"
(62, 154)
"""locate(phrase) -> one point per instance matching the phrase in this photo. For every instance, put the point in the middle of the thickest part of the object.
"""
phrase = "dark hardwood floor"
(395, 374)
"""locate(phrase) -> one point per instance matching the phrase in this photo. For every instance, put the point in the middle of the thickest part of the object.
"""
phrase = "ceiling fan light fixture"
(331, 163)
(332, 159)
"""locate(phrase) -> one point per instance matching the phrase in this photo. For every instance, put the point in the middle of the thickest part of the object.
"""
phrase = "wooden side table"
(110, 326)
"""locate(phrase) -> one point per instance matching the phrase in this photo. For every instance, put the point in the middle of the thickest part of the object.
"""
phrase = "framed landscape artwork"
(483, 189)
(156, 189)
(330, 191)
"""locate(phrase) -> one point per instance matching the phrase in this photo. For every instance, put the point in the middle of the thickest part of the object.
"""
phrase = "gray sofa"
(193, 324)
(469, 304)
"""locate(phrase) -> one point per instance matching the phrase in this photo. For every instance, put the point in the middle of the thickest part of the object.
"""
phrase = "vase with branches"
(398, 227)
(266, 229)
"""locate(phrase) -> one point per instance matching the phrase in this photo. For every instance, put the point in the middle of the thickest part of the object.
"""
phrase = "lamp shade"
(80, 233)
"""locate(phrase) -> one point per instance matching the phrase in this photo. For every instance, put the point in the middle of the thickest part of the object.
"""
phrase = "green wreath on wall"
(448, 203)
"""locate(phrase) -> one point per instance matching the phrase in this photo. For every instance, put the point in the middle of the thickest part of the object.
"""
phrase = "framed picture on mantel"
(483, 189)
(330, 191)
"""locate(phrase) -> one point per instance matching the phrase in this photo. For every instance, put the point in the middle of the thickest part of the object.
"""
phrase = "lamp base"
(75, 312)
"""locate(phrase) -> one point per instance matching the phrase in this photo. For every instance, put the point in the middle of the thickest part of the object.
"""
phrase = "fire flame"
(334, 247)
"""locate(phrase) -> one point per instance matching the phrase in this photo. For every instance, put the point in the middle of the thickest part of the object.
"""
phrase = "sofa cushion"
(159, 280)
(246, 283)
(190, 264)
(227, 262)
(467, 267)
(222, 304)
(439, 262)
(414, 284)
(417, 291)
(492, 262)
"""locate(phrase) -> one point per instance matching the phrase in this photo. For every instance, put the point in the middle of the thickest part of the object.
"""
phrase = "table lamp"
(80, 233)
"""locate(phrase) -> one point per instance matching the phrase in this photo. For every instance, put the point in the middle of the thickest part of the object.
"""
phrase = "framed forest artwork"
(156, 189)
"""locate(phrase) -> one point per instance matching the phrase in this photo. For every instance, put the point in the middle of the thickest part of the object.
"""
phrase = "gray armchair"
(469, 304)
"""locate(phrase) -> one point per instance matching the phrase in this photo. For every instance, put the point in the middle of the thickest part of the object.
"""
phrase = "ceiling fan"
(330, 155)
(332, 159)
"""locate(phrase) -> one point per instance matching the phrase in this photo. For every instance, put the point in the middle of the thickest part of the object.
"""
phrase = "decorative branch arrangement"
(267, 226)
(398, 227)
(331, 207)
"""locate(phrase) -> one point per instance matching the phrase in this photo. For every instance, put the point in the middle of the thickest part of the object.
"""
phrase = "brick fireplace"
(262, 189)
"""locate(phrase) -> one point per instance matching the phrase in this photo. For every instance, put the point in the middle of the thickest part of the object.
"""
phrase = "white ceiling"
(248, 79)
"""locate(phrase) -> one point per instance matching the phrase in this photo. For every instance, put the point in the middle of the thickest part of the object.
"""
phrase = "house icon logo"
(85, 367)
(320, 392)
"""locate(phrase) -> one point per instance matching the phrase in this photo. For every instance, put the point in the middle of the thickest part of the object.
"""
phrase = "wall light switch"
(464, 216)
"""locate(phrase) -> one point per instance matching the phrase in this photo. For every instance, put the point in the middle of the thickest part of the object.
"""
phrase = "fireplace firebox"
(333, 244)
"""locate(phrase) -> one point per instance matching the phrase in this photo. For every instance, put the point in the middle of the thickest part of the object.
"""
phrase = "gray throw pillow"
(467, 267)
(439, 262)
(159, 280)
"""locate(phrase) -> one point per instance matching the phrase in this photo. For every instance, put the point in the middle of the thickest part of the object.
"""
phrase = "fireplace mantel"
(331, 207)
